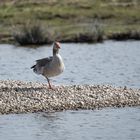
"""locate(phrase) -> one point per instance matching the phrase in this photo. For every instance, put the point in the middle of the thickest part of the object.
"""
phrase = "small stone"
(19, 97)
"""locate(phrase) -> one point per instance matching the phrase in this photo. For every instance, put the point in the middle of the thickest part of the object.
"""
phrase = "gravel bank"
(22, 97)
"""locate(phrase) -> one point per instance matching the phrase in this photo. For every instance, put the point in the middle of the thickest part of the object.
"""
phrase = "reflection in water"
(103, 124)
(116, 63)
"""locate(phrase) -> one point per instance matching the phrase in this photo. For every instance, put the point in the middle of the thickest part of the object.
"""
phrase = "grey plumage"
(50, 66)
(41, 63)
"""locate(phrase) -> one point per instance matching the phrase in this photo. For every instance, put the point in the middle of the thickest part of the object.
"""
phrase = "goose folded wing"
(44, 61)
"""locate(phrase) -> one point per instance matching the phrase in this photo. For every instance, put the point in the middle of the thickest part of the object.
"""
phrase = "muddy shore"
(23, 97)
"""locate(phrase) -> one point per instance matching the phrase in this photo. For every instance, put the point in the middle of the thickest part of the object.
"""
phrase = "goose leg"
(49, 83)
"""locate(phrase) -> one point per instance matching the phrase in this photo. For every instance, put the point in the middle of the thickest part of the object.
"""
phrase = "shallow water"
(115, 63)
(106, 124)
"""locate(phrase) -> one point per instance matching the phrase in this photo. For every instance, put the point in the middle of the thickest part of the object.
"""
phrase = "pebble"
(23, 97)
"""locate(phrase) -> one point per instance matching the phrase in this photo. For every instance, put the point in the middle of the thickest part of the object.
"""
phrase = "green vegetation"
(32, 34)
(70, 20)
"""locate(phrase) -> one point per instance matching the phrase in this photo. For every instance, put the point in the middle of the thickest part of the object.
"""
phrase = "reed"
(91, 34)
(32, 34)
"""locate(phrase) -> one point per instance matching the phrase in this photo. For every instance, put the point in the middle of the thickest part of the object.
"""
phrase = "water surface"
(115, 63)
(106, 124)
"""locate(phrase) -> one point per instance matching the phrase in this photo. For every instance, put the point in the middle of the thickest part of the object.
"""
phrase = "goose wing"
(40, 64)
(44, 61)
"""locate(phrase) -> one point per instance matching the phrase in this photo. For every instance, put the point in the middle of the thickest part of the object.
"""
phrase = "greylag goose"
(50, 66)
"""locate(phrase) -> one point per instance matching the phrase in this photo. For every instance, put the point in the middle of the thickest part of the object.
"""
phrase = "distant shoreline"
(23, 97)
(70, 21)
(121, 36)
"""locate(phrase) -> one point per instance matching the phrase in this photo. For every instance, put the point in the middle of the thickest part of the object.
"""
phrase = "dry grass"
(32, 34)
(66, 17)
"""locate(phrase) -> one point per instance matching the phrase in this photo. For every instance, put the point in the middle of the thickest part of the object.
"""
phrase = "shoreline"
(23, 97)
(120, 36)
(81, 38)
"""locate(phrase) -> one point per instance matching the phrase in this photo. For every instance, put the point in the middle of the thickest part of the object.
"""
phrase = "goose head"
(56, 48)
